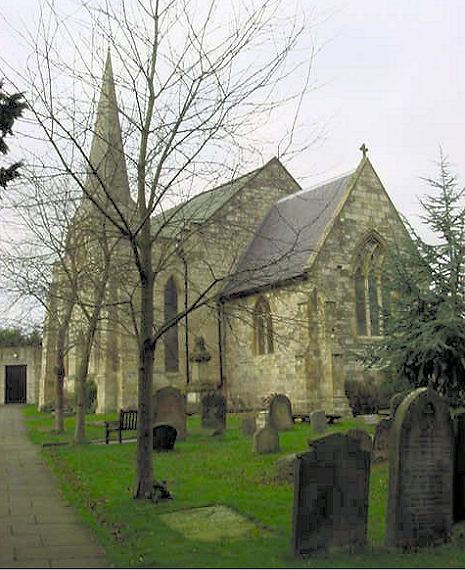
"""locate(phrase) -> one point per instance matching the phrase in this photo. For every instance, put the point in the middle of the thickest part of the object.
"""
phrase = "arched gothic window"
(263, 327)
(171, 335)
(370, 295)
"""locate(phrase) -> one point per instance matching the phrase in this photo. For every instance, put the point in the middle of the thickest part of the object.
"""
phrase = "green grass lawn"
(202, 471)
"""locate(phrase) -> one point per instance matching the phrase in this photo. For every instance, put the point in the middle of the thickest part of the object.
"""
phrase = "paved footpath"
(38, 529)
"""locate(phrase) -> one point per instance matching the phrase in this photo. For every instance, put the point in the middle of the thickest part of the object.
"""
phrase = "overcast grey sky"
(390, 74)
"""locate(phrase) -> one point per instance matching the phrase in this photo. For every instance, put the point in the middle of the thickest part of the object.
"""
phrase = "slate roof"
(200, 208)
(290, 232)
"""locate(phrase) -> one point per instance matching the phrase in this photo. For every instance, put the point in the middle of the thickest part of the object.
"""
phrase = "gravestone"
(363, 437)
(459, 480)
(214, 411)
(164, 437)
(169, 407)
(285, 468)
(266, 440)
(395, 402)
(421, 469)
(330, 495)
(280, 411)
(381, 441)
(318, 421)
(249, 425)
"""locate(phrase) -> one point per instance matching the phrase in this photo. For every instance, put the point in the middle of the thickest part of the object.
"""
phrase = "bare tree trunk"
(59, 384)
(144, 482)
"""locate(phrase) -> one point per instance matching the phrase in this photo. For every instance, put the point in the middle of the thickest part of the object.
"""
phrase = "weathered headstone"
(285, 468)
(249, 425)
(363, 437)
(395, 402)
(281, 412)
(459, 480)
(381, 441)
(164, 437)
(330, 495)
(214, 411)
(266, 440)
(318, 421)
(421, 469)
(169, 407)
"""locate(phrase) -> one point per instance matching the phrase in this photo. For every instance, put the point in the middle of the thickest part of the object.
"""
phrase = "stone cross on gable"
(364, 150)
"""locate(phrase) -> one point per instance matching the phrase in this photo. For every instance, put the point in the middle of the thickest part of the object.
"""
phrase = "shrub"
(363, 396)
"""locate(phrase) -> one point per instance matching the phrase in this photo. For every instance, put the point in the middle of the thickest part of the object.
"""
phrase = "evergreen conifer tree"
(425, 333)
(11, 108)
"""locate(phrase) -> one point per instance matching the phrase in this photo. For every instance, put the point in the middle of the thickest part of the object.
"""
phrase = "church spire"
(107, 153)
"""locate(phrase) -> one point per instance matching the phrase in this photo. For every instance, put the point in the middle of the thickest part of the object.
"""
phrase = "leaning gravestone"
(249, 425)
(280, 411)
(214, 411)
(164, 437)
(421, 469)
(330, 495)
(381, 441)
(169, 408)
(266, 440)
(318, 421)
(395, 402)
(459, 480)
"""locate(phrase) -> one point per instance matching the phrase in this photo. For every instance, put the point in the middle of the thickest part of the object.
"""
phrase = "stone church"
(286, 285)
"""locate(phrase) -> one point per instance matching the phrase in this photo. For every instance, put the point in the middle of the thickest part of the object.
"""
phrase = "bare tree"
(197, 80)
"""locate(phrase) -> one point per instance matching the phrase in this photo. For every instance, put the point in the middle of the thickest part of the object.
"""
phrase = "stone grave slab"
(421, 470)
(363, 437)
(330, 495)
(382, 441)
(249, 425)
(169, 407)
(280, 411)
(318, 421)
(212, 524)
(266, 440)
(213, 407)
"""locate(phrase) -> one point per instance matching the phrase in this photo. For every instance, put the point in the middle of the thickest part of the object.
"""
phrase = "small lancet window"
(171, 335)
(369, 291)
(263, 327)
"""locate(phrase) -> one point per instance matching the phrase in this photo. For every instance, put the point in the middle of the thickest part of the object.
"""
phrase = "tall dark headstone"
(420, 472)
(214, 411)
(169, 407)
(280, 412)
(363, 437)
(330, 495)
(459, 472)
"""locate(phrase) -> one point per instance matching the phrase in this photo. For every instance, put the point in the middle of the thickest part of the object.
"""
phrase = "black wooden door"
(15, 384)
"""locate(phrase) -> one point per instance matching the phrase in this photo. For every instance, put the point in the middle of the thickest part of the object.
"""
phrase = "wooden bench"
(127, 422)
(332, 418)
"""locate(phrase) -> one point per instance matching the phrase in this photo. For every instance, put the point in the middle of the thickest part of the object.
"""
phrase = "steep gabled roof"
(292, 230)
(201, 207)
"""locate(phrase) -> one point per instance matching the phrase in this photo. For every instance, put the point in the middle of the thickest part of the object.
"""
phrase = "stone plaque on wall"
(330, 495)
(420, 472)
(281, 412)
(169, 407)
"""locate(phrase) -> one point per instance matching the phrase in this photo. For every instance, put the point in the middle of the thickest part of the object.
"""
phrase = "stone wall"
(29, 356)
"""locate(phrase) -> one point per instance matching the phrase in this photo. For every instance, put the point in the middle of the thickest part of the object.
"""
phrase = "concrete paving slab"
(37, 528)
